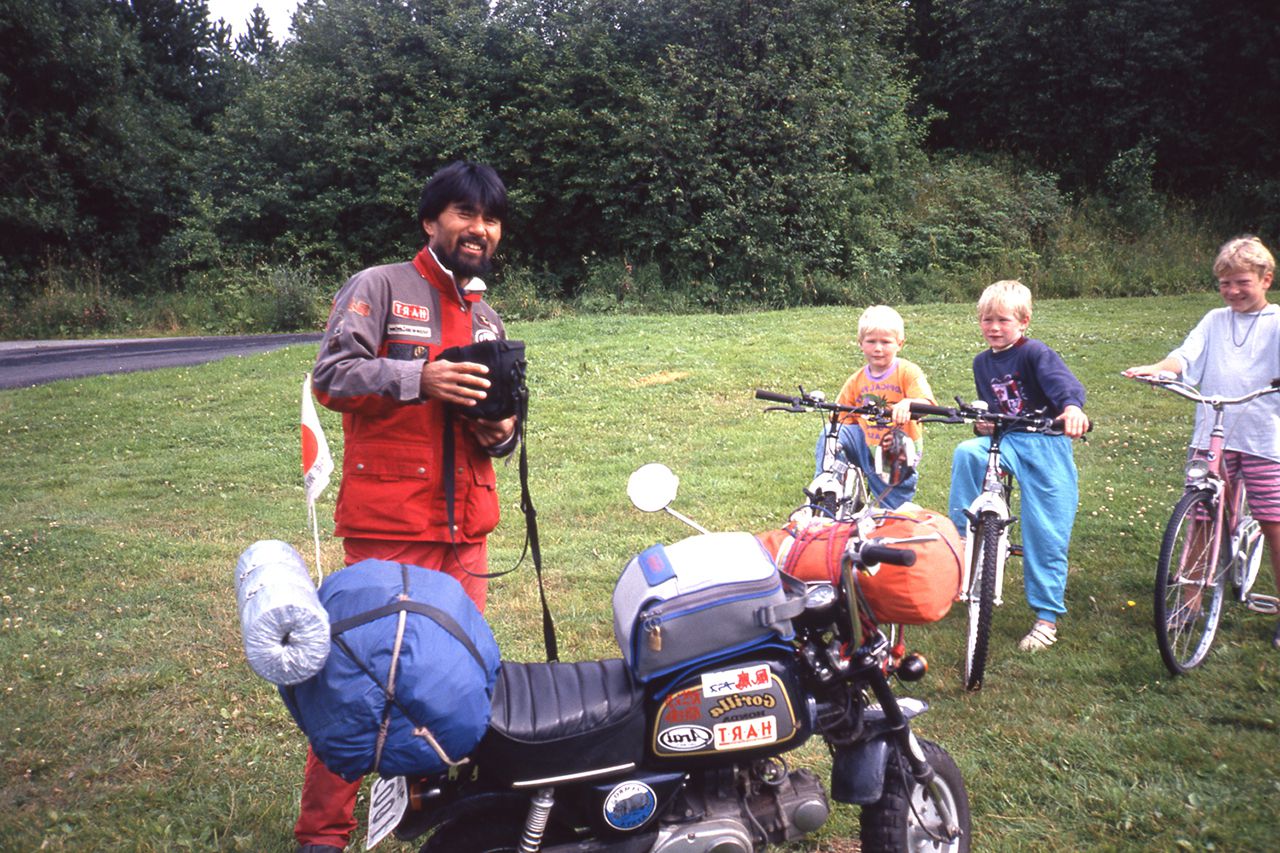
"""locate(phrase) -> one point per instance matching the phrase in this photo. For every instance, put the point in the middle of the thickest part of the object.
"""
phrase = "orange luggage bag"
(906, 595)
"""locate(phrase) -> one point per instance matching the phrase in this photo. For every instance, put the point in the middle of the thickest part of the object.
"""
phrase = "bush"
(1090, 257)
(243, 301)
(298, 301)
(65, 302)
(966, 214)
(620, 287)
(519, 294)
(1134, 203)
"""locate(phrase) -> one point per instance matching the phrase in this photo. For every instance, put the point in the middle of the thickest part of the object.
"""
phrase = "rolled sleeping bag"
(286, 629)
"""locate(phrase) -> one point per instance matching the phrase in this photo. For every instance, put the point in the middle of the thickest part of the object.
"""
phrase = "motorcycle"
(588, 757)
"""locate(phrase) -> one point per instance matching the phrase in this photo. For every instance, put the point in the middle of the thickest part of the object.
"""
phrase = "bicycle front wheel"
(987, 557)
(1189, 587)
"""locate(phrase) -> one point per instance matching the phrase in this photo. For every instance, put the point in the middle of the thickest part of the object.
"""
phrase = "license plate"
(388, 799)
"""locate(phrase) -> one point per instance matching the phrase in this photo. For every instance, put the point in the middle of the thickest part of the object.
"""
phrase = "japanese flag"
(317, 463)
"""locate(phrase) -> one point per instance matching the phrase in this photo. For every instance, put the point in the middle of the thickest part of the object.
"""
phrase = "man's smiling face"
(464, 239)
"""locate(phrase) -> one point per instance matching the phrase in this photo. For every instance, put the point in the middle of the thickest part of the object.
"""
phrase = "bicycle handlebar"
(959, 413)
(963, 412)
(1171, 382)
(810, 402)
(774, 397)
(926, 409)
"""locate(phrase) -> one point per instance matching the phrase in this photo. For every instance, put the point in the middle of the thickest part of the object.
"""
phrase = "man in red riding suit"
(378, 365)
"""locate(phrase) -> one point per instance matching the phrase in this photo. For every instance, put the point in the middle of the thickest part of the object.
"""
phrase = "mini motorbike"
(585, 757)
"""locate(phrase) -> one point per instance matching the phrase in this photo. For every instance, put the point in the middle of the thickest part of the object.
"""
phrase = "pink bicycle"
(1210, 540)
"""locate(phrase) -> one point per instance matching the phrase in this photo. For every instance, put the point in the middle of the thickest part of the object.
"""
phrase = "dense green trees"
(1077, 83)
(729, 151)
(734, 150)
(103, 106)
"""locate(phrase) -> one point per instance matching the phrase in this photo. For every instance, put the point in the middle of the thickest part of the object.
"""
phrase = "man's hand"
(492, 433)
(1075, 422)
(459, 382)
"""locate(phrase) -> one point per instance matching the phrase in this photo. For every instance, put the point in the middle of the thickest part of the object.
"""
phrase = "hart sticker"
(746, 733)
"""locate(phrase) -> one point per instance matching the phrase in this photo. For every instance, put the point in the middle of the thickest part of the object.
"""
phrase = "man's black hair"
(464, 182)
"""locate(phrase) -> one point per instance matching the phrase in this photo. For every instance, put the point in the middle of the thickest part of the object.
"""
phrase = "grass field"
(129, 719)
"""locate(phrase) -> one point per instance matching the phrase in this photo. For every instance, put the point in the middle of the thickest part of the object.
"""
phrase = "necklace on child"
(1247, 331)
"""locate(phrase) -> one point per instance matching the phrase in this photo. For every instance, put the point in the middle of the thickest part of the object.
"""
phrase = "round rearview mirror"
(652, 487)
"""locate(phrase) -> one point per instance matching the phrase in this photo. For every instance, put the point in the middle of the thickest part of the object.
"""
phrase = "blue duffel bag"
(409, 680)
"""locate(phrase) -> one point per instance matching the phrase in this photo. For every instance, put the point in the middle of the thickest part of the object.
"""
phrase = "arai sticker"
(743, 680)
(685, 738)
(629, 805)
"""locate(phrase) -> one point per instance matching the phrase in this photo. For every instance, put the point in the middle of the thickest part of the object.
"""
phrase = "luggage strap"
(771, 615)
(435, 614)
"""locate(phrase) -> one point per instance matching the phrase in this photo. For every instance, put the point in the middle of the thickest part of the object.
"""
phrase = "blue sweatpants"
(1045, 469)
(853, 445)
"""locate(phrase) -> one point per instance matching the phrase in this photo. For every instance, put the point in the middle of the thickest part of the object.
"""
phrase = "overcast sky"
(236, 12)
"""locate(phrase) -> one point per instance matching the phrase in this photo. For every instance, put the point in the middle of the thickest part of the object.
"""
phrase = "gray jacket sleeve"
(350, 371)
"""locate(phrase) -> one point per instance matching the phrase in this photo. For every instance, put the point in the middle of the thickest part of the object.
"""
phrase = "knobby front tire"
(982, 596)
(1188, 590)
(906, 818)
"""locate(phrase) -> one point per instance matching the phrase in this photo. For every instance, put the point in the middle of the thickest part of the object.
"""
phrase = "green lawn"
(130, 720)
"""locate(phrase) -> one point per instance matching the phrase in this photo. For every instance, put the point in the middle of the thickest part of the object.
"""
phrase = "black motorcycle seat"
(551, 720)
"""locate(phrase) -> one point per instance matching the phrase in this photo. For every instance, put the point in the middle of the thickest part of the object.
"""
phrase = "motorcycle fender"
(857, 772)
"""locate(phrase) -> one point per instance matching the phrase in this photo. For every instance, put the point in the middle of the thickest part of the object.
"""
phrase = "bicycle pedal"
(1265, 604)
(1015, 550)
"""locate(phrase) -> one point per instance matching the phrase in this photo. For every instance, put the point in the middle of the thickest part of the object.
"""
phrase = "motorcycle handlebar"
(887, 554)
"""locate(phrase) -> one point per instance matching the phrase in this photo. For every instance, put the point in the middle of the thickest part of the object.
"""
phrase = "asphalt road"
(27, 363)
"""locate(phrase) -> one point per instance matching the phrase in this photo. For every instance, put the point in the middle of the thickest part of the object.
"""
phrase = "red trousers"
(327, 812)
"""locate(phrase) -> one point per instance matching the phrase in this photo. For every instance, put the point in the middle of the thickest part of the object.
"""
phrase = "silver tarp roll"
(286, 629)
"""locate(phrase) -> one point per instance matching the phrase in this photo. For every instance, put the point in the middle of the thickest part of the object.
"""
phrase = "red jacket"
(386, 323)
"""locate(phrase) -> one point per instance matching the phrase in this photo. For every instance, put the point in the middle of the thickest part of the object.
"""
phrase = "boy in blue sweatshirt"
(1020, 375)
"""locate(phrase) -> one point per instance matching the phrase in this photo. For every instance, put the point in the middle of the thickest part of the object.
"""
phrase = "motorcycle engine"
(729, 809)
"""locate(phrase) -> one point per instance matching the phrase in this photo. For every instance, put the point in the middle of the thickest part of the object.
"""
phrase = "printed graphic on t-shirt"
(878, 392)
(1008, 394)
